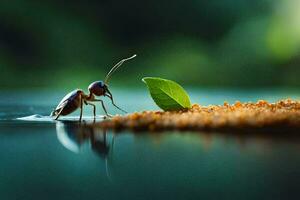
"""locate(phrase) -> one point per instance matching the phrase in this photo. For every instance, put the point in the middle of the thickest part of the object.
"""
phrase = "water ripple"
(42, 118)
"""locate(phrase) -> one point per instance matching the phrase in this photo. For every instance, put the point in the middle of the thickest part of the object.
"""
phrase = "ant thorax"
(89, 97)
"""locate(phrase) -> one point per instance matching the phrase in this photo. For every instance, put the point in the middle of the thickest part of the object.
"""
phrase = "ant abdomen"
(69, 103)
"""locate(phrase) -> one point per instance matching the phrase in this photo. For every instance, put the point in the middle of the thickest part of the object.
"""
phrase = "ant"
(77, 98)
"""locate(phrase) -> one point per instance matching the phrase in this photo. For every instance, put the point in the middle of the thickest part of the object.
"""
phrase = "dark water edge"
(65, 160)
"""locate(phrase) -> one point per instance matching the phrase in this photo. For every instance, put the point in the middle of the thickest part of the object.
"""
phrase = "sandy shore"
(257, 116)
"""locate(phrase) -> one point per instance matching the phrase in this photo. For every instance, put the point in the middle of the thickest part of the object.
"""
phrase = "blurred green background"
(199, 43)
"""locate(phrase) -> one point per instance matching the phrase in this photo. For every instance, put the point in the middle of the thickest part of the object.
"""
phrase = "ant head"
(98, 88)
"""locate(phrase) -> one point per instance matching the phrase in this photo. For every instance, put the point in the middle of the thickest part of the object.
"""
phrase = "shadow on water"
(72, 135)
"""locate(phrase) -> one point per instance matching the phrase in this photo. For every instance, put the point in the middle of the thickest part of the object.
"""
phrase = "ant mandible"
(77, 98)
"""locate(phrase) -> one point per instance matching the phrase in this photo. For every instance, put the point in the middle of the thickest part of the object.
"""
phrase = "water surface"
(43, 159)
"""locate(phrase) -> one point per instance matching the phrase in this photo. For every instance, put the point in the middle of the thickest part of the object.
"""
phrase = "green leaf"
(167, 94)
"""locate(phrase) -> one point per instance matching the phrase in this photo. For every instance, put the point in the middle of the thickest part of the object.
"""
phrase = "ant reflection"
(72, 135)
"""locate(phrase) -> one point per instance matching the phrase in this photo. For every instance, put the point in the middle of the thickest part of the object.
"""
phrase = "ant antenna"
(114, 68)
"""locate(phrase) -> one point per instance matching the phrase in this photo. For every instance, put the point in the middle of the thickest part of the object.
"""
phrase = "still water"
(42, 159)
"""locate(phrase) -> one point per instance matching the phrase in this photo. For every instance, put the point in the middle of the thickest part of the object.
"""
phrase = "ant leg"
(94, 108)
(113, 103)
(57, 116)
(109, 95)
(103, 107)
(81, 105)
(60, 111)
